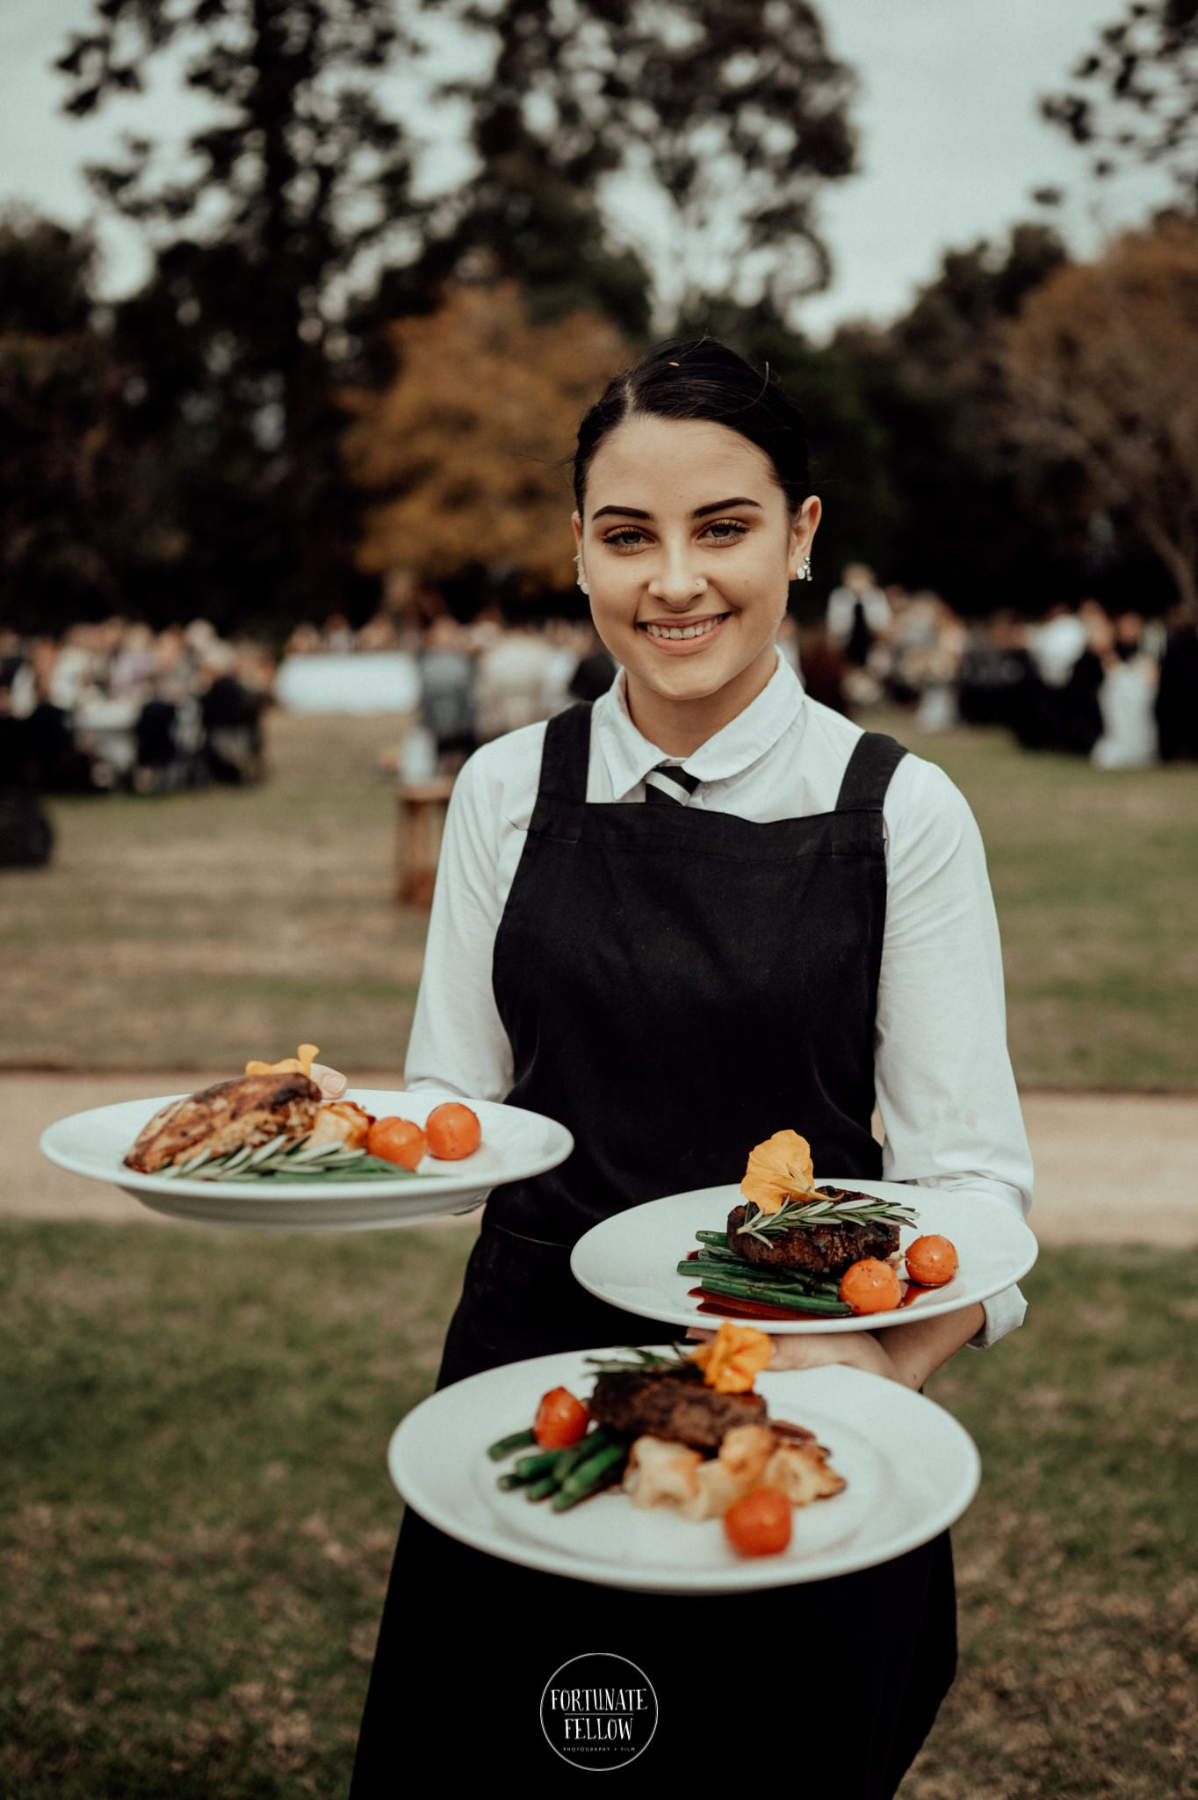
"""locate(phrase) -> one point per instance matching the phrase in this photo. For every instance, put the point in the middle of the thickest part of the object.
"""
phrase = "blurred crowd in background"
(118, 706)
(1119, 688)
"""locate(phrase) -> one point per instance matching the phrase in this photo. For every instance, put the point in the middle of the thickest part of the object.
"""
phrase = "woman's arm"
(904, 1353)
(946, 1092)
(457, 1040)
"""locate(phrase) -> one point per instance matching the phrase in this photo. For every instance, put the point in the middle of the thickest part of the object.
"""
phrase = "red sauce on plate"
(746, 1309)
(914, 1292)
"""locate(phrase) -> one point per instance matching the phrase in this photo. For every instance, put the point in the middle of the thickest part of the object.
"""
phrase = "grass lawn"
(200, 929)
(197, 1523)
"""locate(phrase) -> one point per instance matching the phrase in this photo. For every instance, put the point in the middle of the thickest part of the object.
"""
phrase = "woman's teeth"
(684, 631)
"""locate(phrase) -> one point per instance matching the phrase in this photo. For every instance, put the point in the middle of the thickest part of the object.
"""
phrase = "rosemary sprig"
(863, 1209)
(292, 1159)
(677, 1363)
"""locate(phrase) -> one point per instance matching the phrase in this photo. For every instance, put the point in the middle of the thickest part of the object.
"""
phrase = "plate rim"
(808, 1327)
(755, 1573)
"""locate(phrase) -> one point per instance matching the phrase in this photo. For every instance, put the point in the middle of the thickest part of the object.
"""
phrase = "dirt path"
(1110, 1168)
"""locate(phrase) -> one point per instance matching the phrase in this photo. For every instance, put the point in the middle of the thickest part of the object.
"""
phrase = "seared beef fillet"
(813, 1249)
(672, 1406)
(231, 1115)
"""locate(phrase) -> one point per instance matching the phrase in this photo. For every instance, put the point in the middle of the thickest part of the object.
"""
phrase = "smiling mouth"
(694, 628)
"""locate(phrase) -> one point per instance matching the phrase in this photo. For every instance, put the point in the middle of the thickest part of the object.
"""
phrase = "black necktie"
(670, 782)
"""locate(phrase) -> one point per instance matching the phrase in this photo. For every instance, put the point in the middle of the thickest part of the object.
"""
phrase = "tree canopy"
(1135, 97)
(470, 440)
(719, 121)
(1102, 369)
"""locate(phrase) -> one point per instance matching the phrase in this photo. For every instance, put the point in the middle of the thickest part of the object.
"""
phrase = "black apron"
(676, 985)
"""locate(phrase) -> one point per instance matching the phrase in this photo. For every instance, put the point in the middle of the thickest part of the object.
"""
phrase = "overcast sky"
(951, 145)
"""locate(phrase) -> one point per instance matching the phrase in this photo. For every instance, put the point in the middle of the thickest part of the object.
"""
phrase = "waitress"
(697, 912)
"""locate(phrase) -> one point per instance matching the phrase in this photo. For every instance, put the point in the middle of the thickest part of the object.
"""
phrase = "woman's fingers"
(859, 1349)
(331, 1082)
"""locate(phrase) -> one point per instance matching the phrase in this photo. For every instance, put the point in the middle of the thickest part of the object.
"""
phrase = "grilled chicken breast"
(231, 1115)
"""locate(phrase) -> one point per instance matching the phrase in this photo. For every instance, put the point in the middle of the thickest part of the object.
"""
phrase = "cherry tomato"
(453, 1131)
(561, 1420)
(397, 1141)
(870, 1286)
(760, 1523)
(932, 1260)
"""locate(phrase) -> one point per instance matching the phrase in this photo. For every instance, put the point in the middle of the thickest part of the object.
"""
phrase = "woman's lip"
(689, 646)
(681, 624)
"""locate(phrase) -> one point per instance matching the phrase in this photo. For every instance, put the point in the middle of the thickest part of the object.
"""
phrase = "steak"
(230, 1115)
(814, 1249)
(672, 1406)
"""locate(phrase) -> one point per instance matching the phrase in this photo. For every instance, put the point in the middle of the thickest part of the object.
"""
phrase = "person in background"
(858, 612)
(1177, 695)
(595, 672)
(447, 692)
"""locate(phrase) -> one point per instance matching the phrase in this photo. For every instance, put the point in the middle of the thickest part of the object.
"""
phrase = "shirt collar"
(629, 756)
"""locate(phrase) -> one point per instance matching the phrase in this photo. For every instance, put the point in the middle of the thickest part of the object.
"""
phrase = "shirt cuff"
(1004, 1312)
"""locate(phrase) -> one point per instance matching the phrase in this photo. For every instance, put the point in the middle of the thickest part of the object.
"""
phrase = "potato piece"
(746, 1449)
(717, 1489)
(660, 1472)
(803, 1473)
(341, 1122)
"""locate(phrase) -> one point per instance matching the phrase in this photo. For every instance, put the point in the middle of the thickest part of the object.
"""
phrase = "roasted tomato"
(561, 1420)
(453, 1131)
(870, 1286)
(397, 1141)
(759, 1524)
(932, 1260)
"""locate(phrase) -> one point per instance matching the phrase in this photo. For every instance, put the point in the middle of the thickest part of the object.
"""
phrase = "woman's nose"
(678, 583)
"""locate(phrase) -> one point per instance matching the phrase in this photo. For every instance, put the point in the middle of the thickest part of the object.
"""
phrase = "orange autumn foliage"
(471, 436)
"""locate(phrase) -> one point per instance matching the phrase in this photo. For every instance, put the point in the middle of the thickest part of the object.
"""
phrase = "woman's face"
(688, 547)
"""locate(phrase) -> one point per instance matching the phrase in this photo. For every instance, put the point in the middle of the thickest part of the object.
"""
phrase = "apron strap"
(565, 756)
(867, 776)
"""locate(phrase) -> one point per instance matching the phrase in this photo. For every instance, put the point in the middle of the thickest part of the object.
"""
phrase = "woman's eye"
(629, 536)
(726, 531)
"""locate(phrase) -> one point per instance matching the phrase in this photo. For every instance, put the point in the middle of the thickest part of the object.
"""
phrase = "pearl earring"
(582, 580)
(803, 572)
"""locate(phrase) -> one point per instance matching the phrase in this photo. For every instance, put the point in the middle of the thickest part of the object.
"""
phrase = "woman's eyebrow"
(700, 512)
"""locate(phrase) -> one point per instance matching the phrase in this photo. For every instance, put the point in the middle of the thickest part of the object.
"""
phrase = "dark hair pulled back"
(700, 378)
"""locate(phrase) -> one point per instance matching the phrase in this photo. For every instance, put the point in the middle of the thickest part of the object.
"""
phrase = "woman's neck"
(679, 726)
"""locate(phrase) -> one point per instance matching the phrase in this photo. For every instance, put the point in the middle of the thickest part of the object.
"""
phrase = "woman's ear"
(804, 526)
(577, 524)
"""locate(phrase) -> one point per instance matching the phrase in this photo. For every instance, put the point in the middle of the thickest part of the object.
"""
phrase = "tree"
(1102, 370)
(259, 244)
(61, 488)
(721, 118)
(1137, 98)
(470, 440)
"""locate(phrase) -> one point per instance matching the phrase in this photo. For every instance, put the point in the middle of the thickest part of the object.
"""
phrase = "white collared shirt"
(945, 1090)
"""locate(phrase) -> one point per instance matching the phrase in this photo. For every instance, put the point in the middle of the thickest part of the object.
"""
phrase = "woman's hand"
(859, 1349)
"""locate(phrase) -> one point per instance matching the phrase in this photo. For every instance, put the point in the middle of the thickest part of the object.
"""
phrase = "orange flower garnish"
(778, 1169)
(300, 1063)
(733, 1361)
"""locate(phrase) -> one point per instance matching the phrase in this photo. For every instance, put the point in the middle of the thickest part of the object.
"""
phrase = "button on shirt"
(945, 1091)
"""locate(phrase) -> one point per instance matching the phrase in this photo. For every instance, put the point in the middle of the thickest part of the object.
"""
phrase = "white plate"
(515, 1145)
(631, 1258)
(911, 1471)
